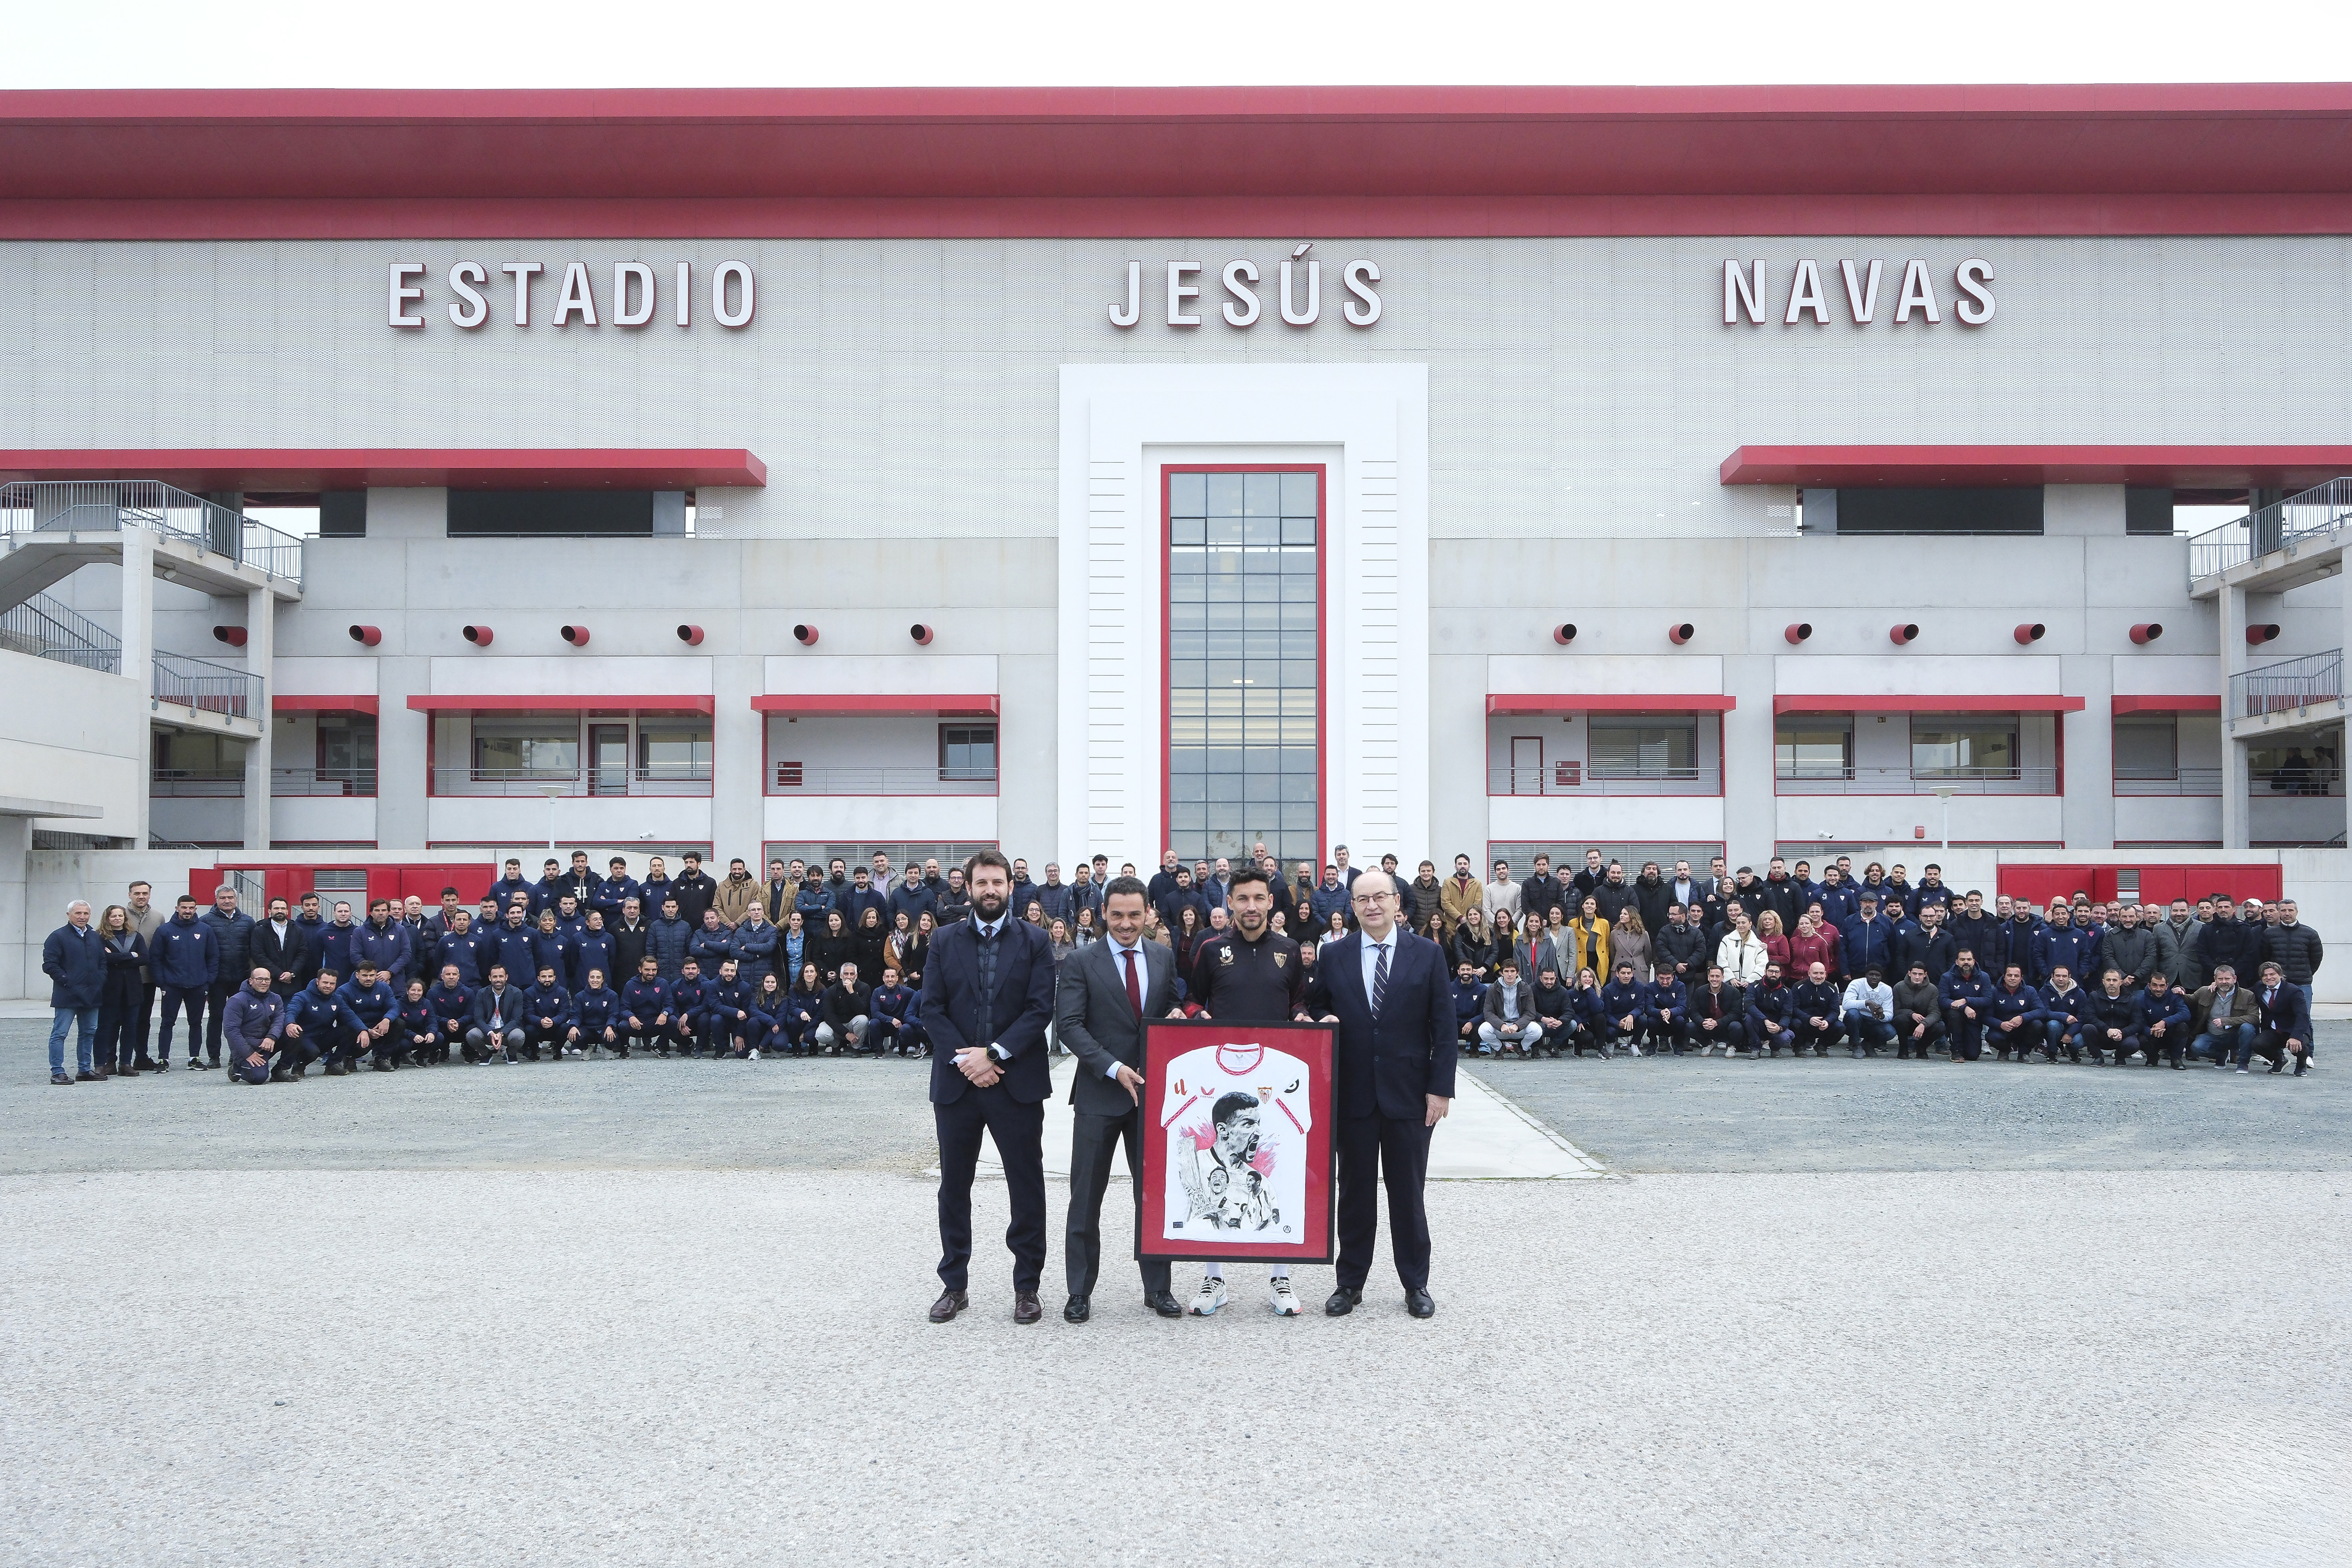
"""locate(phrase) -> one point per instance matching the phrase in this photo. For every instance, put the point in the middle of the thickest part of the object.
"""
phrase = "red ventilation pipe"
(805, 634)
(1798, 631)
(576, 635)
(1903, 632)
(232, 636)
(920, 633)
(366, 636)
(2263, 632)
(1680, 633)
(478, 636)
(2148, 631)
(2029, 631)
(690, 636)
(1564, 633)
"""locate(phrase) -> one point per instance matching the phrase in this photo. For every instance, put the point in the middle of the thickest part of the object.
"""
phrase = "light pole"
(1944, 794)
(550, 791)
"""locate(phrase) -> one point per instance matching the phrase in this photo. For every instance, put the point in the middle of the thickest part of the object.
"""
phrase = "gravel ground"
(672, 1312)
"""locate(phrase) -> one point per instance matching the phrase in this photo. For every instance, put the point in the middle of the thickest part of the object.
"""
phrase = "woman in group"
(1336, 927)
(803, 1006)
(117, 1004)
(1035, 914)
(1813, 944)
(1776, 943)
(909, 949)
(1538, 952)
(873, 939)
(771, 1022)
(1057, 937)
(1278, 922)
(832, 947)
(1473, 945)
(1186, 938)
(1085, 934)
(791, 948)
(1629, 943)
(1587, 1008)
(1587, 942)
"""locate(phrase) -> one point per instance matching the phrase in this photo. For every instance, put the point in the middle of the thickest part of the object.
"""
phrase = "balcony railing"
(676, 779)
(207, 687)
(195, 784)
(47, 628)
(322, 781)
(2321, 510)
(2287, 685)
(92, 506)
(792, 778)
(1575, 780)
(2167, 780)
(1907, 781)
(184, 784)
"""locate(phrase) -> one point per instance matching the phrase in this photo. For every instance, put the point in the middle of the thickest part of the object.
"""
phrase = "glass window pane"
(1261, 533)
(1947, 749)
(1224, 494)
(1188, 495)
(1261, 495)
(1642, 752)
(1187, 530)
(1297, 531)
(1299, 495)
(1813, 748)
(1225, 530)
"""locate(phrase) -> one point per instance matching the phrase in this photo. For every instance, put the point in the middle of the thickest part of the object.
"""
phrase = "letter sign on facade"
(1299, 291)
(1747, 287)
(634, 299)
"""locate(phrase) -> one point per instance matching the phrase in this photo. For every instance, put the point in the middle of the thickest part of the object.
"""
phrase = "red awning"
(2201, 702)
(283, 704)
(1500, 705)
(560, 702)
(2187, 467)
(1928, 702)
(876, 705)
(308, 470)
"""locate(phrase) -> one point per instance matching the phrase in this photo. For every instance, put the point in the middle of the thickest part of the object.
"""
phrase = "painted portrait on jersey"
(1237, 1161)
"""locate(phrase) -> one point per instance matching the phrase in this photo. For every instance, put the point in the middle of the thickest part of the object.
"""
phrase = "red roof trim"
(560, 702)
(2187, 468)
(2200, 702)
(1611, 702)
(1928, 702)
(283, 704)
(868, 705)
(1288, 161)
(302, 470)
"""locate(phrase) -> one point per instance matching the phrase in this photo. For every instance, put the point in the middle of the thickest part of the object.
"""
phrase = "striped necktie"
(1380, 977)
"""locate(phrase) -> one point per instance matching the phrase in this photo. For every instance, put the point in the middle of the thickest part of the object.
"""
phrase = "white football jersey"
(1247, 1182)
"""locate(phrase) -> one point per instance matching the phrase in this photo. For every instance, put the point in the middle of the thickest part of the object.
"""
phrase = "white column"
(19, 966)
(260, 647)
(138, 632)
(2235, 802)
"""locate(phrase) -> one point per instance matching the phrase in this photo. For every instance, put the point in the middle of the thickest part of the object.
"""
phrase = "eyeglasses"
(1366, 901)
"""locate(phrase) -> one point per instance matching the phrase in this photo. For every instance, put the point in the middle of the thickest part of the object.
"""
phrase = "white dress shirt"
(1370, 951)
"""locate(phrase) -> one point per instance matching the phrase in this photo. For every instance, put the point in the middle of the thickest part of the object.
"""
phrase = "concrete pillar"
(2088, 812)
(1750, 808)
(2236, 803)
(18, 965)
(260, 648)
(138, 633)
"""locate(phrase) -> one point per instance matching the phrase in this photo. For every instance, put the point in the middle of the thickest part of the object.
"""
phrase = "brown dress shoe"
(949, 1303)
(1025, 1308)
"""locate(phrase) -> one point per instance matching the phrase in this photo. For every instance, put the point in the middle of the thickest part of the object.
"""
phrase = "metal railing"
(520, 783)
(2289, 684)
(95, 506)
(207, 687)
(1574, 779)
(198, 784)
(792, 778)
(2167, 780)
(322, 780)
(46, 629)
(1908, 781)
(2320, 509)
(195, 784)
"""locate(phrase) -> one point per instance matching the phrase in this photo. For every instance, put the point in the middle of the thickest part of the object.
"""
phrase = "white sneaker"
(755, 1053)
(1285, 1304)
(1211, 1296)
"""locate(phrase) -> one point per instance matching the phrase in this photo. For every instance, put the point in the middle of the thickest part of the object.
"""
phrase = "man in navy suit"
(988, 993)
(2283, 1032)
(1394, 1060)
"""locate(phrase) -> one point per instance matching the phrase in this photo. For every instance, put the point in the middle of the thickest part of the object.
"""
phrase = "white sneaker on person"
(755, 1053)
(1209, 1297)
(1285, 1303)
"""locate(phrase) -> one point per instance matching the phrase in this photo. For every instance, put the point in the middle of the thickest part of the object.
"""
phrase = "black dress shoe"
(1076, 1311)
(1164, 1303)
(1342, 1302)
(1025, 1308)
(949, 1303)
(1419, 1303)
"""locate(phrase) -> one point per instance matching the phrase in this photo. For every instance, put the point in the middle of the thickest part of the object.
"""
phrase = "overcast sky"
(713, 43)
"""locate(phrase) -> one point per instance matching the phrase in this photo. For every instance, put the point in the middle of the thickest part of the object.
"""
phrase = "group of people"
(827, 958)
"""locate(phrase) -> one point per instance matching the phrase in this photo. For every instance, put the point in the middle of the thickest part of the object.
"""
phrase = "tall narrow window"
(1245, 662)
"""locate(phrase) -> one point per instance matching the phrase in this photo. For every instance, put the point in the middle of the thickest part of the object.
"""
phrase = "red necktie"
(1134, 988)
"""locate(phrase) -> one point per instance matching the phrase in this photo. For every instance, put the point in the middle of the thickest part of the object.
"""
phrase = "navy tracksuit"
(648, 1001)
(1962, 995)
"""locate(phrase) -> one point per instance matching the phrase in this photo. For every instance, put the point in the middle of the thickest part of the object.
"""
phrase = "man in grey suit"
(1105, 993)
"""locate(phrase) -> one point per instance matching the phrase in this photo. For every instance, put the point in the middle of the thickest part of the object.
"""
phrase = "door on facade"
(347, 757)
(1527, 764)
(608, 759)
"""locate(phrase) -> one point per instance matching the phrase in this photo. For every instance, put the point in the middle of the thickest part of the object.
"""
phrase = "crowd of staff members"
(828, 959)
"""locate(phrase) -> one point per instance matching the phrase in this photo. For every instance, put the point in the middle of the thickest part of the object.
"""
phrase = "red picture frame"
(1237, 1142)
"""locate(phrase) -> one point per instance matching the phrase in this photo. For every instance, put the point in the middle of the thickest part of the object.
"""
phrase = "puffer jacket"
(2296, 949)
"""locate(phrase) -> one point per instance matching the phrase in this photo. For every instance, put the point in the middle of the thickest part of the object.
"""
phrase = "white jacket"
(1742, 961)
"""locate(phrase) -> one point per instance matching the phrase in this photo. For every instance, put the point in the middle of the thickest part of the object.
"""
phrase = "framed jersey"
(1237, 1147)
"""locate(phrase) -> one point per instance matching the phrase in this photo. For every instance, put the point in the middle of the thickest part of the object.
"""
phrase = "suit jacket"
(1388, 1065)
(957, 1018)
(293, 955)
(1094, 1021)
(2283, 1014)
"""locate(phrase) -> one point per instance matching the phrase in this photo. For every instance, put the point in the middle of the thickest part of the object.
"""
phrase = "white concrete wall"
(76, 735)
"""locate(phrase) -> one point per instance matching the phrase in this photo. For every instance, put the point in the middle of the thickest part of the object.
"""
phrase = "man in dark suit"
(1387, 990)
(988, 994)
(1107, 991)
(2283, 1031)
